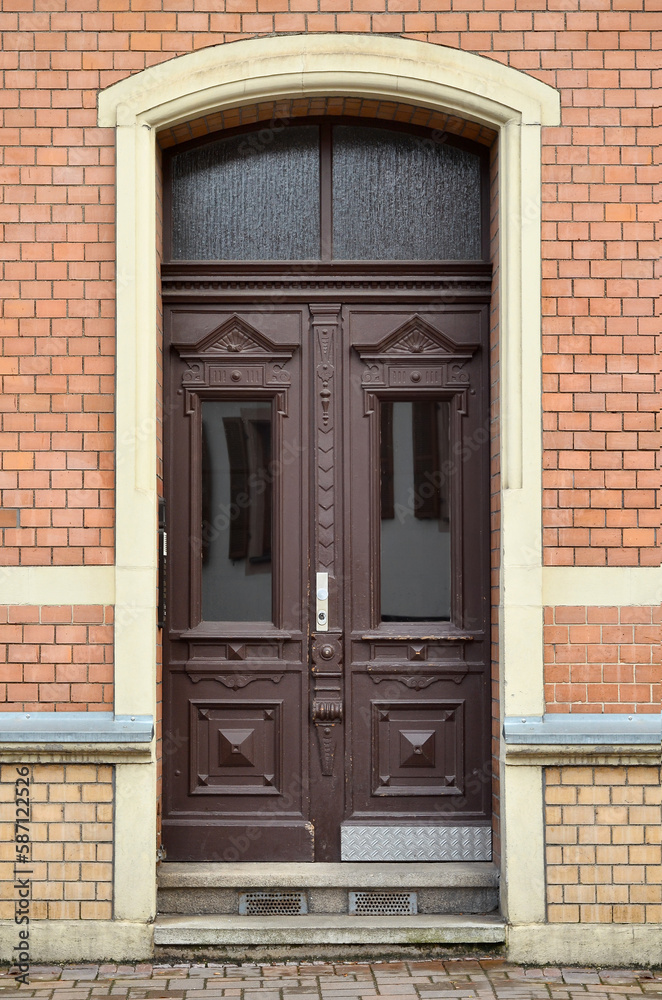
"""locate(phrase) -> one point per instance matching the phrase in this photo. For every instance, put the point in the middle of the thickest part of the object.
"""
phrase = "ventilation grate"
(264, 904)
(385, 904)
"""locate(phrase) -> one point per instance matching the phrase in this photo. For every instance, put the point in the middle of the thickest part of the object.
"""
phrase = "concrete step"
(347, 874)
(208, 888)
(327, 929)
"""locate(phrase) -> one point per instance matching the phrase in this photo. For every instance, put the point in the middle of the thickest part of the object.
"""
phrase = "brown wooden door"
(344, 438)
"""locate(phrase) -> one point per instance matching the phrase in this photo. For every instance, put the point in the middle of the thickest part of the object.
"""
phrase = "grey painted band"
(74, 727)
(583, 730)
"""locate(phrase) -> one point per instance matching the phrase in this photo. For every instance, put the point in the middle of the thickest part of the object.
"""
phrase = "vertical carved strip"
(327, 706)
(325, 322)
(326, 650)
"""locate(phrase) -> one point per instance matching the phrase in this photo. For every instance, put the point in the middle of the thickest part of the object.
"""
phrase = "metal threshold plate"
(416, 843)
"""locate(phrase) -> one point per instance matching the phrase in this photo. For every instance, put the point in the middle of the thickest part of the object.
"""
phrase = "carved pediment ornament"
(419, 340)
(236, 340)
(236, 356)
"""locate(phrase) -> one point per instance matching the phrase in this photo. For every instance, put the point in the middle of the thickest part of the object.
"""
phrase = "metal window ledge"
(583, 729)
(81, 736)
(583, 738)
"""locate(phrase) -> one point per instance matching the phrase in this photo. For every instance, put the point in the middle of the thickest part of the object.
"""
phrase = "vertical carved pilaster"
(327, 706)
(325, 322)
(326, 648)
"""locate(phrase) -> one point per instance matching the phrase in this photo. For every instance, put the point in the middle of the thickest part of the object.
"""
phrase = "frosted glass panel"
(236, 511)
(397, 196)
(415, 511)
(253, 196)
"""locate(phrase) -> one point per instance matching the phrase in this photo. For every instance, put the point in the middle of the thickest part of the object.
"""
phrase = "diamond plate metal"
(416, 843)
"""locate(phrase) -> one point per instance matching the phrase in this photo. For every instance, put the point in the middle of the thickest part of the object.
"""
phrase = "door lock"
(322, 602)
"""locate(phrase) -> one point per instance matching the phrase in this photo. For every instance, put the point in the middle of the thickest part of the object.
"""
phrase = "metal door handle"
(322, 602)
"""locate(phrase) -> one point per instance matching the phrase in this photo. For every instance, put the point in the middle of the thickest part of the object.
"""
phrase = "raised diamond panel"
(419, 748)
(235, 748)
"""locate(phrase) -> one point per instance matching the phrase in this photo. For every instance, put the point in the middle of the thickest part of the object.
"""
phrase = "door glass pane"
(253, 196)
(236, 511)
(398, 196)
(415, 512)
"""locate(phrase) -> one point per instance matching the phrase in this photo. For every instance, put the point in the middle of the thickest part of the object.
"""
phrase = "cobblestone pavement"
(464, 979)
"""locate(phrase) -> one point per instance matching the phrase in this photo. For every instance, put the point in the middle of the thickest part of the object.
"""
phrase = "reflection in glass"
(398, 196)
(236, 510)
(248, 197)
(415, 514)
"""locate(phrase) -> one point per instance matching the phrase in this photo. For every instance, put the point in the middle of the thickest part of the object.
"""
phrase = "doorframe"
(369, 67)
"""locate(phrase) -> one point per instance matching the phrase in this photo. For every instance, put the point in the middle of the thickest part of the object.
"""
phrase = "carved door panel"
(235, 684)
(343, 716)
(417, 610)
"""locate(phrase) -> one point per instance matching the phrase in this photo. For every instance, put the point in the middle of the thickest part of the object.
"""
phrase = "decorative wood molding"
(236, 356)
(419, 681)
(327, 696)
(417, 336)
(325, 324)
(230, 678)
(448, 282)
(416, 356)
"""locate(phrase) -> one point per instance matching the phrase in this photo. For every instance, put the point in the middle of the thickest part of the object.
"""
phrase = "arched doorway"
(214, 81)
(326, 296)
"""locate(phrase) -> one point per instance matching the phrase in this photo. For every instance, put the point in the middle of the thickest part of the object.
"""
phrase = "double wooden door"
(326, 677)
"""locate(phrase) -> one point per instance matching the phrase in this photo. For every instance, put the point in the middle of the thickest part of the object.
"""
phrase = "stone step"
(345, 874)
(208, 888)
(326, 929)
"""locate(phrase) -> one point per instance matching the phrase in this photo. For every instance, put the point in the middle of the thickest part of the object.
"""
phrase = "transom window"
(325, 191)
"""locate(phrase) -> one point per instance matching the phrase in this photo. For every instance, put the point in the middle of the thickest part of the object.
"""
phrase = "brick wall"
(56, 326)
(603, 850)
(56, 658)
(603, 659)
(72, 842)
(600, 366)
(599, 218)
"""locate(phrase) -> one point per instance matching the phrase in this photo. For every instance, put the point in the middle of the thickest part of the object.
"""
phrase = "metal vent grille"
(264, 904)
(385, 904)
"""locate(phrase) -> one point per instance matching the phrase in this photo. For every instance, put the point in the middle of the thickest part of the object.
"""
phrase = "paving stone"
(455, 979)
